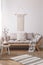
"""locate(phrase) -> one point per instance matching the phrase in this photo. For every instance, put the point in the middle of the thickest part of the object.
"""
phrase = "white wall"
(8, 18)
(33, 19)
(0, 19)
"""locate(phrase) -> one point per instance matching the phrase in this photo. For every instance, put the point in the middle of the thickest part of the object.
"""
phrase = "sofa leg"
(37, 47)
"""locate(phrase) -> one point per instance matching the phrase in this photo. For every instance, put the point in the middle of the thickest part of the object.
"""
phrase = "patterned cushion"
(13, 36)
(29, 36)
(37, 37)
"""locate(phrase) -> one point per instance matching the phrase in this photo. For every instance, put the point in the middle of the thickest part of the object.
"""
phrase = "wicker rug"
(28, 60)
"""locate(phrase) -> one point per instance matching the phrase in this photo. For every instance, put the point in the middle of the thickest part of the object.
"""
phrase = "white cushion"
(21, 36)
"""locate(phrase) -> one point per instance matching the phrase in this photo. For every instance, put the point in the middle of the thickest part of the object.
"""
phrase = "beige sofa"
(23, 40)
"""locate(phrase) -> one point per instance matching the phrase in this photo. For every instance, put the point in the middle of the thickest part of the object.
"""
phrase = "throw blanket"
(28, 60)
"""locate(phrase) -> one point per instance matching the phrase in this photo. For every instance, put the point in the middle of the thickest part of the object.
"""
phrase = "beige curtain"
(20, 22)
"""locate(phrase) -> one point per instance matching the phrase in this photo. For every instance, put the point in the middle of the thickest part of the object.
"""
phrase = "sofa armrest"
(39, 43)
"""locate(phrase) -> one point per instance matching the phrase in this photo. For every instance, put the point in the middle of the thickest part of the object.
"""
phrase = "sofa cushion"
(21, 36)
(21, 41)
(13, 36)
(30, 36)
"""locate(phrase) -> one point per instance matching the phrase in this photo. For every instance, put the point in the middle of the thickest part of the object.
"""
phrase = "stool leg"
(8, 51)
(1, 51)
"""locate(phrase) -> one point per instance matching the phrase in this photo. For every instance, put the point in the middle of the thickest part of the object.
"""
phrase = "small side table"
(1, 48)
(6, 46)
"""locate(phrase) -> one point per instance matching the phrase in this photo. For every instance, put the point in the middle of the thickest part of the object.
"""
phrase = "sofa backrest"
(23, 36)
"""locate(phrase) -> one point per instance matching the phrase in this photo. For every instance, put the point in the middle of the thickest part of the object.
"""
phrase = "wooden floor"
(9, 62)
(5, 58)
